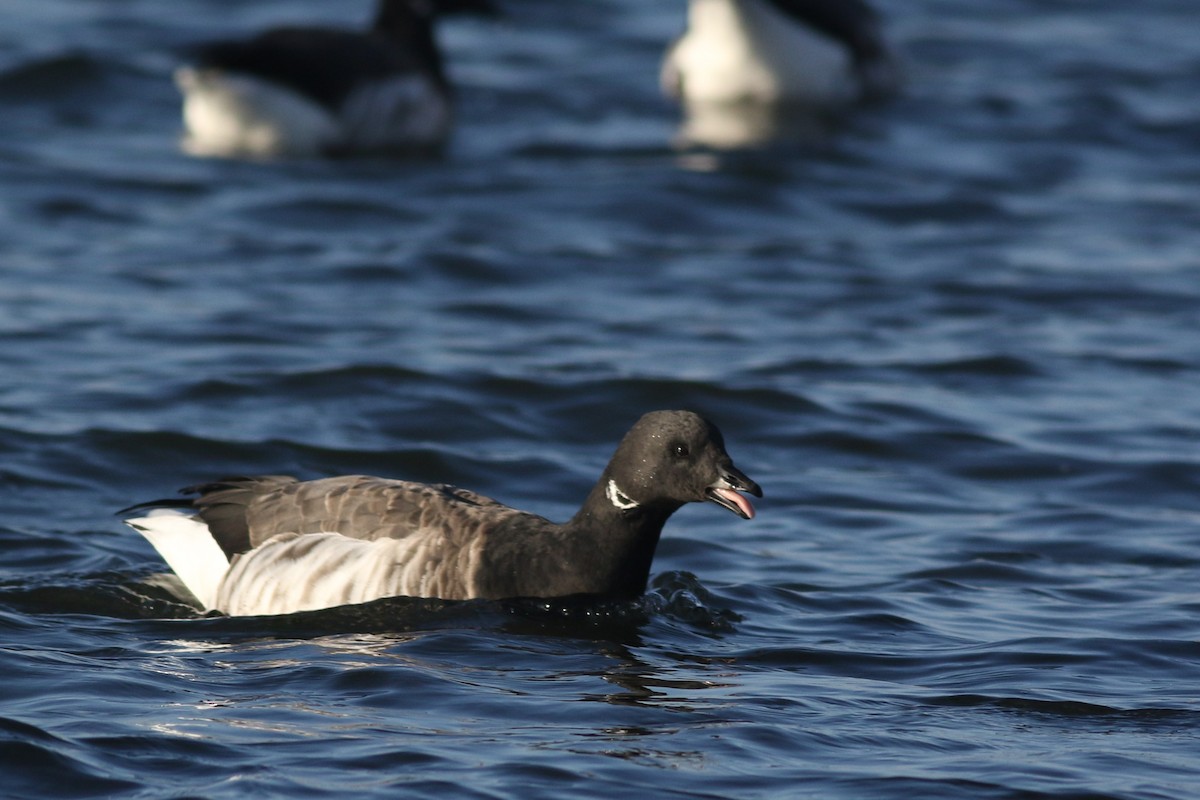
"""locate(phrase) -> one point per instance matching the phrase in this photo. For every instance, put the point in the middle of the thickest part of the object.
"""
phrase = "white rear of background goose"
(276, 545)
(304, 91)
(805, 52)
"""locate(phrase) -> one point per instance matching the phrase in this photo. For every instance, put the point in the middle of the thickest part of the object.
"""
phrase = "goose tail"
(188, 547)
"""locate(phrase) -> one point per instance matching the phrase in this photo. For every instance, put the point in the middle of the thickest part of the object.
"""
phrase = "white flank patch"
(745, 50)
(302, 572)
(619, 498)
(229, 114)
(189, 549)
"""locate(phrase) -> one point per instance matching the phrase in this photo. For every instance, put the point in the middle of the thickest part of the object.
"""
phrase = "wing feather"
(243, 513)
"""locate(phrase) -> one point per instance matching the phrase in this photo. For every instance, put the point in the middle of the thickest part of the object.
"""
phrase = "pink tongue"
(738, 500)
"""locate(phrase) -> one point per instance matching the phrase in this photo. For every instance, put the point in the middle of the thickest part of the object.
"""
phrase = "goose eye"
(681, 450)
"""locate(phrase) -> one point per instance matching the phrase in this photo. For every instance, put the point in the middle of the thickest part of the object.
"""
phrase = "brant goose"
(815, 53)
(304, 91)
(276, 545)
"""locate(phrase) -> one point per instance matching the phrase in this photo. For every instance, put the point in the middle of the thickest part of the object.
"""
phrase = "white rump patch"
(738, 50)
(189, 549)
(619, 498)
(229, 114)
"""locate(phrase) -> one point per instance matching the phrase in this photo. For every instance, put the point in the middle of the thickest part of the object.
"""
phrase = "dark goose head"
(669, 458)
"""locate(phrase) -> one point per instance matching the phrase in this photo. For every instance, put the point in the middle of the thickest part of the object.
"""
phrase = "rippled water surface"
(956, 337)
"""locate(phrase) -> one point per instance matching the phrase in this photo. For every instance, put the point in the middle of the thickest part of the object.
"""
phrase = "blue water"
(956, 338)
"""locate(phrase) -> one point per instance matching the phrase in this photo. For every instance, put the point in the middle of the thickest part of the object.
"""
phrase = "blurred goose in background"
(752, 61)
(808, 52)
(275, 545)
(305, 91)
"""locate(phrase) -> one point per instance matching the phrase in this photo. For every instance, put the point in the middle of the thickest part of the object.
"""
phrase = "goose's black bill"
(726, 492)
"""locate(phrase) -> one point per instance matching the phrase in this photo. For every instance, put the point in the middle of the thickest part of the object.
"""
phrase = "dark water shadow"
(159, 605)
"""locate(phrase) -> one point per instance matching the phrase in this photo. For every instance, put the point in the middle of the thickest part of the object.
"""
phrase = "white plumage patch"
(739, 50)
(301, 572)
(619, 498)
(189, 550)
(229, 114)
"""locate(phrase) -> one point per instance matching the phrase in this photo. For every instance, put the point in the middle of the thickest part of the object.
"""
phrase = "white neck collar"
(619, 498)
